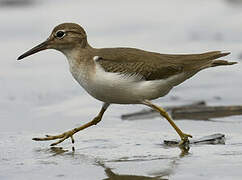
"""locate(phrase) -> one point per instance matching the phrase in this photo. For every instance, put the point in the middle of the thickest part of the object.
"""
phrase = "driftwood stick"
(195, 111)
(210, 139)
(206, 112)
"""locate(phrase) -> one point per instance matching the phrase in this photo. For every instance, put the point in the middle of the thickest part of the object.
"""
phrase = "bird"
(123, 75)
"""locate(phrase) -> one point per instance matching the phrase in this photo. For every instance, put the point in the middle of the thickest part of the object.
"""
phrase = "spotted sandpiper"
(122, 75)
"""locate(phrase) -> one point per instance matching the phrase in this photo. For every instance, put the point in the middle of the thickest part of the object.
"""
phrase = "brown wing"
(150, 65)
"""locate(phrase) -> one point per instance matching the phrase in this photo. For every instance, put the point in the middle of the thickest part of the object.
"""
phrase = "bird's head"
(64, 37)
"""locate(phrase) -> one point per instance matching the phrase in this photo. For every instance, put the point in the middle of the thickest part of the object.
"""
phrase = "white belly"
(121, 89)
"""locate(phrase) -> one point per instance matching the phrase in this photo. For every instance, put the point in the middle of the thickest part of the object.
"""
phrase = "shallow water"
(39, 96)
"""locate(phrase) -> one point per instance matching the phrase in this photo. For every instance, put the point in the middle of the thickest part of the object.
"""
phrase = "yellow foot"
(184, 139)
(62, 137)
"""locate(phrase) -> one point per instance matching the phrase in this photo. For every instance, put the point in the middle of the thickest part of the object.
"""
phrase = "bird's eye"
(60, 34)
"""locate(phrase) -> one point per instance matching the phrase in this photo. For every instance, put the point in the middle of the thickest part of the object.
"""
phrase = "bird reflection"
(160, 175)
(112, 176)
(115, 176)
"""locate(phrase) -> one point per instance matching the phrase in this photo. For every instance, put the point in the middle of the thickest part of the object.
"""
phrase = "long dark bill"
(40, 47)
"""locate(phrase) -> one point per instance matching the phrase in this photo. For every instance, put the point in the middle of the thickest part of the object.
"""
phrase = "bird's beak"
(44, 45)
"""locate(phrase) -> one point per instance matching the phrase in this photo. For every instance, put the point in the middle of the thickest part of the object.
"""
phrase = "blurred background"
(39, 96)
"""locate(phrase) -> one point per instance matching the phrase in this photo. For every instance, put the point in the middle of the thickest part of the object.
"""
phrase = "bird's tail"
(222, 63)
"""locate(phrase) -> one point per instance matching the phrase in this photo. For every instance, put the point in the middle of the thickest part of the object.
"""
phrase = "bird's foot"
(62, 137)
(184, 140)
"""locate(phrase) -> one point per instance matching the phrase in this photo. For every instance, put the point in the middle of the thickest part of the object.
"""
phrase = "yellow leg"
(70, 133)
(184, 137)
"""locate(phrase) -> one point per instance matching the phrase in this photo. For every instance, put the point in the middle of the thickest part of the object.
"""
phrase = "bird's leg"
(70, 133)
(184, 137)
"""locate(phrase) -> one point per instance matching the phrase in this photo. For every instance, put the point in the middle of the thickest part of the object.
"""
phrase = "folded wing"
(155, 66)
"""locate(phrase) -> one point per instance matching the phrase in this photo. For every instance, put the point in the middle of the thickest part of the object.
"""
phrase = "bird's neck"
(78, 52)
(79, 58)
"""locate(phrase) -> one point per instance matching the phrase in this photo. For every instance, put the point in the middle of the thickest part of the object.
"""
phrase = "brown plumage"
(154, 66)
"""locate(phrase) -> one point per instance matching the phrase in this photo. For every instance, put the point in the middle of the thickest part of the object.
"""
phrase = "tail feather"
(209, 59)
(217, 54)
(222, 63)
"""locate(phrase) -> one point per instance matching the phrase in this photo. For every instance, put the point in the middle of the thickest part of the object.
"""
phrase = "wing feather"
(151, 65)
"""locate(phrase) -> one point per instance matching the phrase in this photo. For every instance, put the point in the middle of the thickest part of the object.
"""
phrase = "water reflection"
(111, 175)
(161, 174)
(57, 150)
(157, 166)
(184, 150)
(168, 162)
